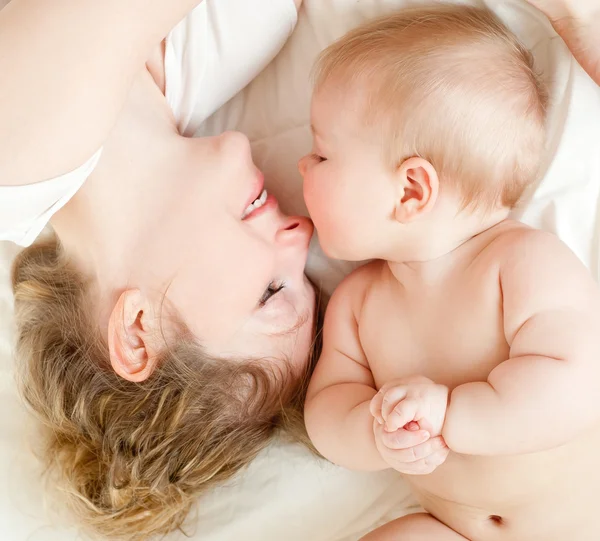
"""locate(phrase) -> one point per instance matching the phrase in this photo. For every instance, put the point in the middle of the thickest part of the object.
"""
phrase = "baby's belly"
(551, 496)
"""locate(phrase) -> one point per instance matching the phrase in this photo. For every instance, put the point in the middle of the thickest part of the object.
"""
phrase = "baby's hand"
(415, 399)
(419, 457)
(409, 416)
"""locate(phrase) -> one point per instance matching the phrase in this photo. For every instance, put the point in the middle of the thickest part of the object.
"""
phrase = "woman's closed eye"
(271, 291)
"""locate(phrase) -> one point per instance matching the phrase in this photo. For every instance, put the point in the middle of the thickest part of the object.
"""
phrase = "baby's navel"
(496, 519)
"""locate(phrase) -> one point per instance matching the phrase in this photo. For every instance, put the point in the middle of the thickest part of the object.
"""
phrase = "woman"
(163, 333)
(577, 22)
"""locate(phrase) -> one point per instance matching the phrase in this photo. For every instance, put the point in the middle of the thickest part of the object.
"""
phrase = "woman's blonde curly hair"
(133, 457)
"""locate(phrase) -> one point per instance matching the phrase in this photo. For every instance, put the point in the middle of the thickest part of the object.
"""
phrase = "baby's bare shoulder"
(514, 239)
(353, 289)
(537, 267)
(519, 245)
(362, 278)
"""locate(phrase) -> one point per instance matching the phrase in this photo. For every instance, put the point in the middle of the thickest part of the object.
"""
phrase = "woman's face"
(238, 278)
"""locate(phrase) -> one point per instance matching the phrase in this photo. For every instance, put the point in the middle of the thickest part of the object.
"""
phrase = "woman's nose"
(295, 231)
(235, 149)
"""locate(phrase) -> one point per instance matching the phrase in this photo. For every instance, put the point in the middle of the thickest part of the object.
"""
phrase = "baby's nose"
(302, 165)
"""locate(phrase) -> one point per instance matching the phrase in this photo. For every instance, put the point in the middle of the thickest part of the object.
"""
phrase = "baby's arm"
(337, 414)
(548, 391)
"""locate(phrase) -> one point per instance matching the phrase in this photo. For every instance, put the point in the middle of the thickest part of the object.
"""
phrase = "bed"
(288, 494)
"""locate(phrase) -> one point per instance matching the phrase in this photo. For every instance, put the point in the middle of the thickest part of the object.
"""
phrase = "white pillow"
(287, 494)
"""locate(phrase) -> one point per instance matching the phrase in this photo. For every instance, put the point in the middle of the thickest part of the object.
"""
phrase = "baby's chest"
(452, 334)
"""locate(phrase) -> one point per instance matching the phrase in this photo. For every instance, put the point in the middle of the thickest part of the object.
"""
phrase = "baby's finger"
(419, 451)
(375, 407)
(401, 415)
(426, 465)
(403, 439)
(391, 398)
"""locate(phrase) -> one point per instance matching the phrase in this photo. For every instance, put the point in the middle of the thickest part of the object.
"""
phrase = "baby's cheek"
(315, 198)
(335, 231)
(331, 213)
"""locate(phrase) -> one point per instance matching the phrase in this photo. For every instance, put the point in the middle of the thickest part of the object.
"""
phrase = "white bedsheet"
(287, 494)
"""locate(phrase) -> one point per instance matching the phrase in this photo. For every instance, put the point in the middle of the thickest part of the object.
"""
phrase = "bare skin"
(128, 227)
(578, 23)
(445, 320)
(466, 357)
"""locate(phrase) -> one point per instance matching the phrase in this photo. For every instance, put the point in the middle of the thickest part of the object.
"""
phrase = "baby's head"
(425, 122)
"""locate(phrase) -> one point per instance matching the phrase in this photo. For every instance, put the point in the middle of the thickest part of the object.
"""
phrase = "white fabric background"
(287, 494)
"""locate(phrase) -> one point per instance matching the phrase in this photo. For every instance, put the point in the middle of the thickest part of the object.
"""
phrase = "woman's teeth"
(256, 204)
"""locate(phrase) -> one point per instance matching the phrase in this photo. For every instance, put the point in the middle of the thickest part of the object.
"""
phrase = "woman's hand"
(556, 9)
(577, 22)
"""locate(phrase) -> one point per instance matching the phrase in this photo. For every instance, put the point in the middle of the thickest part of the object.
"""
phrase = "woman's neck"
(107, 227)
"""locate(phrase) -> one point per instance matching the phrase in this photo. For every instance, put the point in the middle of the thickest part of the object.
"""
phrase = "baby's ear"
(417, 188)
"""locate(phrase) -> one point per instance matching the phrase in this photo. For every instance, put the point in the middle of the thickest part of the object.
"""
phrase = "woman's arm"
(67, 66)
(577, 22)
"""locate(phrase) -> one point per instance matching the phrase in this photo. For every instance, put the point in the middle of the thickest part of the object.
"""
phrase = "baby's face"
(348, 189)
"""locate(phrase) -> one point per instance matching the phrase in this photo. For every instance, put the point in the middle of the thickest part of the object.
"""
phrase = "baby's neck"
(436, 258)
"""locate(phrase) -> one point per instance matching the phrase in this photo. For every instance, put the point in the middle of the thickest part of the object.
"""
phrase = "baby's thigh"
(418, 527)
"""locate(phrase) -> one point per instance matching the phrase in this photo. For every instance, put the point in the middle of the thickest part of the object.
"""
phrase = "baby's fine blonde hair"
(131, 458)
(450, 84)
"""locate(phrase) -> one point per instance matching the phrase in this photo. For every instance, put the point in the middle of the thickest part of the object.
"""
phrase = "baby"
(467, 356)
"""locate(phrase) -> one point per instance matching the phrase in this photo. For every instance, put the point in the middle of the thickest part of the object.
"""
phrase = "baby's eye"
(317, 157)
(271, 291)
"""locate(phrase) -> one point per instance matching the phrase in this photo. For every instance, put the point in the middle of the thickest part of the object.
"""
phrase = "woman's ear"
(417, 189)
(132, 336)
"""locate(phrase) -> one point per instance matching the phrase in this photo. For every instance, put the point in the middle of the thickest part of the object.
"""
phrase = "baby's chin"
(332, 252)
(336, 248)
